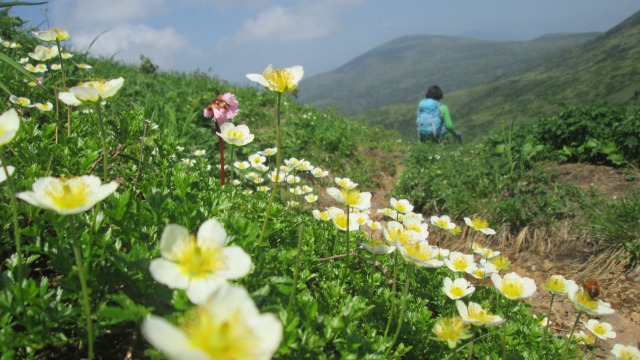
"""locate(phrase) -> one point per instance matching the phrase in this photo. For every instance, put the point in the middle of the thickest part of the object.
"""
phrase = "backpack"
(430, 121)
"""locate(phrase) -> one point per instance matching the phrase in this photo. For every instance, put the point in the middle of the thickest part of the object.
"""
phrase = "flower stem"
(221, 149)
(77, 251)
(546, 330)
(473, 337)
(393, 293)
(16, 222)
(103, 137)
(403, 304)
(504, 331)
(278, 162)
(573, 329)
(296, 274)
(346, 267)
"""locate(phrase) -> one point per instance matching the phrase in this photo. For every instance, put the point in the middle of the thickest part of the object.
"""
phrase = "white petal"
(211, 232)
(169, 339)
(200, 290)
(238, 263)
(168, 273)
(497, 281)
(171, 234)
(259, 79)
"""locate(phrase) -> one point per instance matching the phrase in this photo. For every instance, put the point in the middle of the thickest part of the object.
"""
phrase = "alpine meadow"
(153, 214)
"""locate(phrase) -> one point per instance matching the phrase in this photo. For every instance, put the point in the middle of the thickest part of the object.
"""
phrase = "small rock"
(533, 267)
(547, 265)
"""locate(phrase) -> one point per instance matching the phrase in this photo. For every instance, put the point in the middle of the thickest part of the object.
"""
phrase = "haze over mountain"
(402, 69)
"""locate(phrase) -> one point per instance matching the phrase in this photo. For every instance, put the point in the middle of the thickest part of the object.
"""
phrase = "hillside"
(400, 70)
(602, 69)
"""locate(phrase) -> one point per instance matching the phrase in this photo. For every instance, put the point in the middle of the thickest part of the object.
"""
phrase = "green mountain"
(402, 69)
(605, 68)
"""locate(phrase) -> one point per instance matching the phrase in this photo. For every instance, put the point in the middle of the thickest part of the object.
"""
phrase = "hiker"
(433, 120)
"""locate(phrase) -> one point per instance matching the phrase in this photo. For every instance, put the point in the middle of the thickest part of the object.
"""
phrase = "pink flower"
(223, 108)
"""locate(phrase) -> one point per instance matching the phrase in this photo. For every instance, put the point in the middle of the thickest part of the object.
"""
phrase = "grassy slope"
(401, 69)
(604, 68)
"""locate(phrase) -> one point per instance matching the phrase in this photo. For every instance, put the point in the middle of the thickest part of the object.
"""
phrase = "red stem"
(221, 147)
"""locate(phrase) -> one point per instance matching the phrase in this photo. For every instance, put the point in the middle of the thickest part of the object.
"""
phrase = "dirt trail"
(619, 288)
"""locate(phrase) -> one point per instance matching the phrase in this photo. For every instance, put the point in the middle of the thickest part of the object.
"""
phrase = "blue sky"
(233, 38)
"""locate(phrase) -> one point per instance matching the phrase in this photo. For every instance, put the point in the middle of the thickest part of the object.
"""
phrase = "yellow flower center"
(512, 288)
(584, 299)
(197, 261)
(480, 314)
(456, 291)
(229, 338)
(400, 235)
(2, 129)
(625, 355)
(67, 195)
(414, 226)
(442, 223)
(460, 263)
(600, 329)
(352, 197)
(451, 330)
(421, 253)
(556, 284)
(479, 223)
(281, 80)
(23, 101)
(479, 272)
(401, 207)
(341, 221)
(501, 262)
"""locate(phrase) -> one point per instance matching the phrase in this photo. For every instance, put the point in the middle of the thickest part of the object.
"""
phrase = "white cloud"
(304, 21)
(166, 47)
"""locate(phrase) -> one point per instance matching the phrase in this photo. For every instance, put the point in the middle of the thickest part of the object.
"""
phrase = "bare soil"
(570, 259)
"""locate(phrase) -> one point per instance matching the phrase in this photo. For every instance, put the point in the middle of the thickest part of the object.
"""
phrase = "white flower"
(227, 326)
(281, 80)
(318, 172)
(557, 285)
(421, 254)
(91, 92)
(235, 135)
(321, 215)
(628, 352)
(200, 152)
(43, 53)
(311, 198)
(582, 301)
(198, 264)
(256, 159)
(602, 330)
(9, 125)
(68, 196)
(513, 287)
(443, 222)
(351, 197)
(377, 247)
(395, 233)
(416, 224)
(459, 262)
(339, 218)
(21, 101)
(457, 289)
(268, 152)
(402, 205)
(44, 107)
(345, 183)
(479, 224)
(474, 314)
